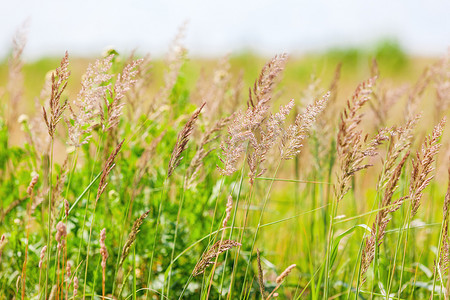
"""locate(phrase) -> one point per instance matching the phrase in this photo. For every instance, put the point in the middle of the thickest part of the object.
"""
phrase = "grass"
(173, 181)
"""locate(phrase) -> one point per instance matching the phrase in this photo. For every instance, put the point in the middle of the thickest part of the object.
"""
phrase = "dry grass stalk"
(104, 254)
(246, 127)
(228, 210)
(262, 287)
(93, 89)
(383, 218)
(75, 286)
(401, 141)
(66, 208)
(33, 182)
(352, 146)
(136, 95)
(61, 233)
(423, 166)
(262, 89)
(42, 256)
(292, 140)
(197, 162)
(182, 140)
(285, 273)
(209, 256)
(109, 165)
(59, 83)
(268, 134)
(280, 280)
(444, 255)
(132, 236)
(114, 95)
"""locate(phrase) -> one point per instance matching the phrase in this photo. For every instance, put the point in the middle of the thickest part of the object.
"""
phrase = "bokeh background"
(216, 28)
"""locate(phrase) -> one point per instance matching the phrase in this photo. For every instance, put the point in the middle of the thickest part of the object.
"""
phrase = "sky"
(215, 28)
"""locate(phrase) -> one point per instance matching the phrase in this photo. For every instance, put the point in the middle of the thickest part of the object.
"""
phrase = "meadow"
(322, 176)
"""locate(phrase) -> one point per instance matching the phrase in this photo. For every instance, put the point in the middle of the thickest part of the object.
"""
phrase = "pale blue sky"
(219, 27)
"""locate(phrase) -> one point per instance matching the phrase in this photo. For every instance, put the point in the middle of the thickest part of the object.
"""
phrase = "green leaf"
(337, 240)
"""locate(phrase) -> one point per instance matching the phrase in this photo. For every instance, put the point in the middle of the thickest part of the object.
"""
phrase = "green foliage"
(289, 213)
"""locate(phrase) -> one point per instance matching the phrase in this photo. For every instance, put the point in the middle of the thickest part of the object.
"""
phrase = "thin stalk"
(93, 217)
(49, 217)
(180, 207)
(259, 225)
(149, 278)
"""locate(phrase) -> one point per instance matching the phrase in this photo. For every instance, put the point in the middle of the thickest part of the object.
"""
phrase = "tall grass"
(203, 191)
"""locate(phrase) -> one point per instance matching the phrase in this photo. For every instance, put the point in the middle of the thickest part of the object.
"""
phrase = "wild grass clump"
(122, 188)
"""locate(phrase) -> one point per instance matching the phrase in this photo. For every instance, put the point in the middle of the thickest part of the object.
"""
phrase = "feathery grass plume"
(423, 166)
(114, 95)
(262, 287)
(262, 89)
(61, 233)
(292, 139)
(33, 182)
(75, 286)
(209, 256)
(233, 146)
(352, 147)
(66, 208)
(444, 255)
(3, 242)
(59, 83)
(228, 210)
(68, 270)
(42, 256)
(259, 99)
(285, 274)
(401, 138)
(109, 165)
(104, 254)
(245, 127)
(269, 132)
(137, 93)
(132, 236)
(182, 140)
(382, 219)
(280, 280)
(15, 86)
(197, 161)
(90, 96)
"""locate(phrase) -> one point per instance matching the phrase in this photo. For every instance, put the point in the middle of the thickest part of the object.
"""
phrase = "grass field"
(321, 176)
